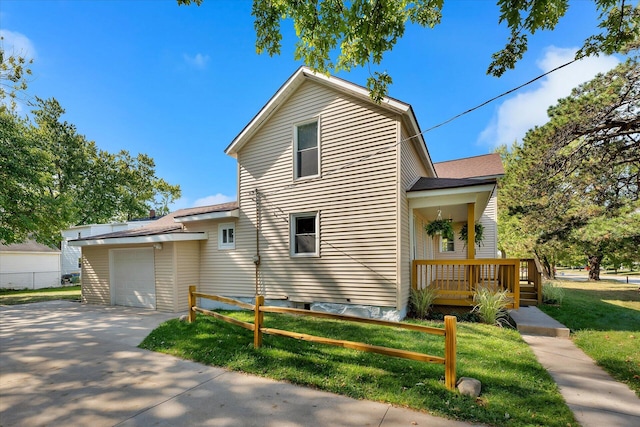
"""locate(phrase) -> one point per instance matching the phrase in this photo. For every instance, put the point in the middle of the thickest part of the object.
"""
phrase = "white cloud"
(214, 200)
(516, 115)
(198, 60)
(14, 43)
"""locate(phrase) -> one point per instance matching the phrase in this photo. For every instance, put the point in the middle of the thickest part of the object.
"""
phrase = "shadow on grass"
(591, 309)
(513, 382)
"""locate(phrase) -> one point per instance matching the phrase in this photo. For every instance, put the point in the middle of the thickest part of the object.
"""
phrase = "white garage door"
(132, 278)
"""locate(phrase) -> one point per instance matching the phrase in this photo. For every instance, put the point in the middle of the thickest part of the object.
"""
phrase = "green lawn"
(604, 319)
(516, 390)
(11, 296)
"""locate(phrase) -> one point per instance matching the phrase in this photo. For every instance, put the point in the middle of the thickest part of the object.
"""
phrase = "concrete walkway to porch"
(595, 398)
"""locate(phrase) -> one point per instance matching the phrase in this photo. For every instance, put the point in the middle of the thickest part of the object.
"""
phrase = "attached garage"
(133, 282)
(149, 267)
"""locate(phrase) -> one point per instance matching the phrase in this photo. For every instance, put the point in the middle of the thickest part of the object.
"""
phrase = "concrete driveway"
(63, 363)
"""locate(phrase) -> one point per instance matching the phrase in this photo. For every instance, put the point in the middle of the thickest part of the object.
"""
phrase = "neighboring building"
(333, 193)
(29, 265)
(71, 255)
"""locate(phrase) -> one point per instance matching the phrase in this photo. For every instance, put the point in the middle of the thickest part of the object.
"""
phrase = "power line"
(449, 120)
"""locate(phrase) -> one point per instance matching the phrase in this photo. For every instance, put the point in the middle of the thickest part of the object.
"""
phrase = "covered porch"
(455, 268)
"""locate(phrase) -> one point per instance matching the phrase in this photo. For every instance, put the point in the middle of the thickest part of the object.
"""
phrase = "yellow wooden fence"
(258, 328)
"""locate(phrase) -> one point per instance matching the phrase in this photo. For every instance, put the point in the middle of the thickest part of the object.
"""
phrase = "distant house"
(334, 191)
(29, 265)
(71, 255)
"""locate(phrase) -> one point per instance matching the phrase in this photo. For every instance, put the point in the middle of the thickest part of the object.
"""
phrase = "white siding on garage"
(30, 270)
(356, 204)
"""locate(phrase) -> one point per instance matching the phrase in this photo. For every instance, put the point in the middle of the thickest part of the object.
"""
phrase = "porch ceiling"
(451, 201)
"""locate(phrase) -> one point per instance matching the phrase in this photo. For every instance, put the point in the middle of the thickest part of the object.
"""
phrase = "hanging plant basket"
(440, 227)
(464, 234)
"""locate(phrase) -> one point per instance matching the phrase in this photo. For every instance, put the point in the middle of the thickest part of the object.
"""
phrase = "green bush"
(491, 306)
(552, 293)
(422, 301)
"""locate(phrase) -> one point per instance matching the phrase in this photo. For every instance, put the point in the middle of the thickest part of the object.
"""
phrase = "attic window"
(306, 147)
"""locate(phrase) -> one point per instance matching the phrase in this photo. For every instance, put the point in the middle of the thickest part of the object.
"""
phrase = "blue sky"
(179, 83)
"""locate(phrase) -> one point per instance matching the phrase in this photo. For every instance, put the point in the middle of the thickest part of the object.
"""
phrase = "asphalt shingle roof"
(471, 167)
(425, 183)
(166, 224)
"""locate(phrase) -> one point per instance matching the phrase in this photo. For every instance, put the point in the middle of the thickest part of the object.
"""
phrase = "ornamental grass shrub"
(491, 306)
(552, 293)
(422, 301)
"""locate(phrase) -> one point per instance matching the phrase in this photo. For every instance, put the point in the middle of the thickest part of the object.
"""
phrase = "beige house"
(334, 191)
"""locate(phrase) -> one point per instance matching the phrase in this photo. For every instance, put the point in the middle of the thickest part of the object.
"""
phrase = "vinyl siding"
(489, 220)
(187, 272)
(95, 276)
(460, 250)
(165, 277)
(224, 271)
(411, 168)
(356, 204)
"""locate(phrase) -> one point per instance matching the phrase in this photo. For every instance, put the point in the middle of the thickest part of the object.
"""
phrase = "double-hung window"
(306, 150)
(446, 245)
(227, 236)
(304, 234)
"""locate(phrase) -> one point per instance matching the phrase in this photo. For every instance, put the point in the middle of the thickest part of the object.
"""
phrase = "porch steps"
(528, 295)
(532, 321)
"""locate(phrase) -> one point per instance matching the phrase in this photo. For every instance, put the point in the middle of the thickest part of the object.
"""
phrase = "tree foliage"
(14, 71)
(340, 35)
(52, 178)
(574, 183)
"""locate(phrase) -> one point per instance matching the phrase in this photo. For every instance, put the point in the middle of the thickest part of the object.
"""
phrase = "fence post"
(450, 352)
(192, 303)
(258, 320)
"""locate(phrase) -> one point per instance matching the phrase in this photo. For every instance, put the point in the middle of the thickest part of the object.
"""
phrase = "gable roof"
(307, 74)
(167, 228)
(484, 166)
(28, 246)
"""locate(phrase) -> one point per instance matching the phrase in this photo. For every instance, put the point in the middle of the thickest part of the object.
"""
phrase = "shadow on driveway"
(64, 363)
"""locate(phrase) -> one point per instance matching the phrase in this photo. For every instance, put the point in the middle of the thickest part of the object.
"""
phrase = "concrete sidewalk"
(63, 363)
(595, 398)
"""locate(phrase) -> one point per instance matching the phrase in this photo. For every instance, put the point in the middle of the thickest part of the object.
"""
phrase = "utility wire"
(449, 120)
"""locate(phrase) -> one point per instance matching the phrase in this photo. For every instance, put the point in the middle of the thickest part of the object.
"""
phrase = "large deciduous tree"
(574, 183)
(340, 34)
(52, 178)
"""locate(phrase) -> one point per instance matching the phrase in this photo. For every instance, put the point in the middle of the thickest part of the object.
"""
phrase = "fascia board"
(450, 191)
(211, 215)
(455, 195)
(175, 237)
(278, 98)
(293, 83)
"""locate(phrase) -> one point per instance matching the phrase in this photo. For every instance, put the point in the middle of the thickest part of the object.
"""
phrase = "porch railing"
(531, 273)
(457, 280)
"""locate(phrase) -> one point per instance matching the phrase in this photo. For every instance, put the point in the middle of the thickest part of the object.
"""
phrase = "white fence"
(30, 280)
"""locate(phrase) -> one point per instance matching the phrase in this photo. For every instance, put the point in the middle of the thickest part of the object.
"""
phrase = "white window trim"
(292, 235)
(223, 226)
(295, 149)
